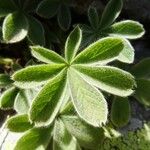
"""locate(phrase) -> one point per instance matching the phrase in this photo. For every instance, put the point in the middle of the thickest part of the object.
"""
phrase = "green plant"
(73, 79)
(63, 103)
(141, 71)
(131, 140)
(68, 132)
(120, 111)
(76, 71)
(14, 97)
(104, 26)
(19, 23)
(49, 8)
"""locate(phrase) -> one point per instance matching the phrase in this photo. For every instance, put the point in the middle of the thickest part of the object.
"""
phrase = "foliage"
(14, 97)
(120, 111)
(104, 26)
(75, 77)
(50, 8)
(63, 100)
(18, 23)
(142, 73)
(132, 140)
(63, 75)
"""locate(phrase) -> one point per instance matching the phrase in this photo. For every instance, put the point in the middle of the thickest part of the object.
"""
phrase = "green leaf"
(46, 55)
(62, 139)
(48, 8)
(100, 52)
(142, 92)
(36, 75)
(34, 139)
(36, 31)
(15, 27)
(72, 44)
(66, 99)
(68, 109)
(111, 12)
(142, 69)
(120, 111)
(109, 79)
(5, 80)
(128, 29)
(93, 17)
(127, 54)
(89, 103)
(64, 17)
(23, 100)
(7, 98)
(47, 103)
(6, 7)
(87, 136)
(19, 123)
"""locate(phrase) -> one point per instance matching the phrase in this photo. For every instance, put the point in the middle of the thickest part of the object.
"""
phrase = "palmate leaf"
(15, 27)
(6, 7)
(5, 80)
(142, 69)
(89, 103)
(110, 13)
(36, 75)
(48, 8)
(19, 123)
(120, 111)
(62, 139)
(127, 54)
(36, 138)
(109, 79)
(46, 55)
(87, 136)
(142, 92)
(103, 51)
(72, 44)
(128, 29)
(7, 98)
(36, 31)
(64, 17)
(47, 103)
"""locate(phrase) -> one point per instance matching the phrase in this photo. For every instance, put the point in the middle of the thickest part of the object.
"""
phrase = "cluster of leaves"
(20, 21)
(72, 79)
(61, 103)
(102, 26)
(14, 97)
(131, 140)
